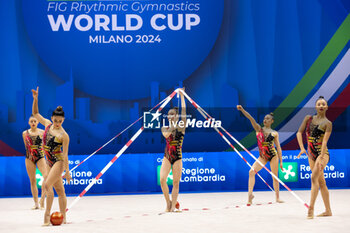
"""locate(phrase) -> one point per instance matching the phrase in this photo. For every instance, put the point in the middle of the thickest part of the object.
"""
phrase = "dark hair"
(321, 98)
(58, 112)
(176, 109)
(272, 115)
(32, 116)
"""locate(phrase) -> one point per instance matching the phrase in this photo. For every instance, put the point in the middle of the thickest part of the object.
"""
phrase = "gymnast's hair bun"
(321, 97)
(58, 112)
(176, 109)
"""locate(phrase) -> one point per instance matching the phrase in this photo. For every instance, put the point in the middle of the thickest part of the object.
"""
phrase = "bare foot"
(325, 214)
(250, 199)
(36, 206)
(310, 213)
(64, 218)
(46, 220)
(172, 208)
(168, 207)
(279, 200)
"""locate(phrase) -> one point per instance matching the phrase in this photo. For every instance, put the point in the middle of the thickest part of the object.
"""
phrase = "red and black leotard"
(52, 147)
(173, 149)
(33, 147)
(265, 144)
(314, 139)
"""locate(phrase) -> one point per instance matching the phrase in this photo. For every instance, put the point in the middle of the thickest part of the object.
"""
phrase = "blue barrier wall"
(212, 171)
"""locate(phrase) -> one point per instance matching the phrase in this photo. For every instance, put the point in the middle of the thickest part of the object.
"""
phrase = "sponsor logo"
(156, 121)
(169, 180)
(81, 177)
(200, 174)
(151, 120)
(330, 172)
(294, 172)
(39, 178)
(290, 173)
(197, 174)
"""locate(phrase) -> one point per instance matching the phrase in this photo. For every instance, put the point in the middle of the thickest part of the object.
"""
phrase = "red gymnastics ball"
(56, 218)
(177, 206)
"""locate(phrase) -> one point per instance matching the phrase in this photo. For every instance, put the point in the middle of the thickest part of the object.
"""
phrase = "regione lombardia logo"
(169, 179)
(39, 178)
(290, 173)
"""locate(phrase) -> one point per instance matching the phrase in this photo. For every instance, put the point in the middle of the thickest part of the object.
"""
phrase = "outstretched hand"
(303, 151)
(35, 93)
(239, 107)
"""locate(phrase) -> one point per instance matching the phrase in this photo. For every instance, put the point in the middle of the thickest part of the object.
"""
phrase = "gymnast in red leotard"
(174, 135)
(318, 130)
(32, 139)
(266, 138)
(55, 147)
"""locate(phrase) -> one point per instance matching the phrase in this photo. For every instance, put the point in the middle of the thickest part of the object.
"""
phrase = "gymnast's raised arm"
(255, 125)
(35, 109)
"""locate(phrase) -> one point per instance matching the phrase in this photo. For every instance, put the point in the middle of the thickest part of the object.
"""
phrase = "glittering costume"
(33, 147)
(173, 149)
(314, 139)
(52, 147)
(265, 144)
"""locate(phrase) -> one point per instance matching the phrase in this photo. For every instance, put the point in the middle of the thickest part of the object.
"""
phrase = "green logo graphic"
(290, 173)
(169, 181)
(39, 178)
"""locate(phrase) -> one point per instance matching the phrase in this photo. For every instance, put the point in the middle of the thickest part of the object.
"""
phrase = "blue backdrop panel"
(245, 52)
(212, 171)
